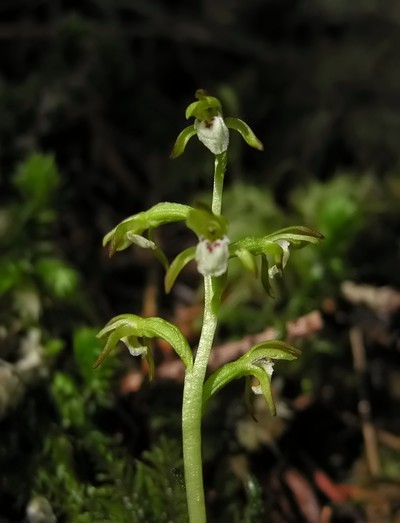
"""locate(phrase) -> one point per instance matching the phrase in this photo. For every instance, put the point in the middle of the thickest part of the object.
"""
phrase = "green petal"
(177, 265)
(248, 261)
(249, 137)
(182, 140)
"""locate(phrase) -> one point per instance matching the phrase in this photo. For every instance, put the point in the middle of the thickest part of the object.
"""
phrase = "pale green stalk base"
(192, 412)
(194, 380)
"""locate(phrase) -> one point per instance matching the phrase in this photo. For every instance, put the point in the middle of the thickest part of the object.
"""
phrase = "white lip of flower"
(285, 247)
(214, 134)
(212, 257)
(137, 350)
(268, 367)
(141, 241)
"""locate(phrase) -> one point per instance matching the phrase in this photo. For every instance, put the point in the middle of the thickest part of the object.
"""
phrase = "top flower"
(211, 128)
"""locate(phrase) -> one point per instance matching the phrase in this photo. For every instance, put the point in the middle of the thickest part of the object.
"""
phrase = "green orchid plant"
(265, 256)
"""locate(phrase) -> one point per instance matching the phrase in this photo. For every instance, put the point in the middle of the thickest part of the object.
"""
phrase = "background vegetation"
(92, 96)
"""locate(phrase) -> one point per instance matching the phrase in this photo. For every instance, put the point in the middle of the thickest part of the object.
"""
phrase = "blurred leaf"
(60, 279)
(69, 400)
(53, 347)
(87, 347)
(11, 275)
(37, 178)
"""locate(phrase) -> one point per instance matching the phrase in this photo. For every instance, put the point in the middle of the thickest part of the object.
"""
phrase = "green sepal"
(206, 224)
(143, 349)
(265, 279)
(160, 214)
(149, 357)
(256, 246)
(176, 267)
(298, 236)
(249, 397)
(249, 137)
(218, 285)
(248, 261)
(159, 253)
(181, 142)
(251, 364)
(126, 325)
(205, 108)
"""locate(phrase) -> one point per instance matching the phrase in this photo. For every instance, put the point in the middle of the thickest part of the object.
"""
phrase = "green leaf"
(53, 347)
(176, 267)
(60, 279)
(249, 137)
(69, 401)
(37, 178)
(126, 325)
(160, 214)
(182, 140)
(253, 363)
(11, 275)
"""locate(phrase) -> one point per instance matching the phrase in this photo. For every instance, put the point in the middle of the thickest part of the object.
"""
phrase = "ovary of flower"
(212, 257)
(213, 133)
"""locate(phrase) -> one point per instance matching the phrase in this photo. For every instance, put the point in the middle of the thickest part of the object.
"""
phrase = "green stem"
(194, 380)
(192, 410)
(219, 173)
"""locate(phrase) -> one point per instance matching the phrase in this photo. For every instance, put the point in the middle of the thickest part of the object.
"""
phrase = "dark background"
(103, 85)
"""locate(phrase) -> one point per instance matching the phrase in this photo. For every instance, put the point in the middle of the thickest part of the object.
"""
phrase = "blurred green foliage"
(27, 226)
(85, 473)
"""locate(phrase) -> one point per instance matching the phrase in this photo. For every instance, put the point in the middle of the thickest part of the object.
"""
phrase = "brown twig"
(364, 406)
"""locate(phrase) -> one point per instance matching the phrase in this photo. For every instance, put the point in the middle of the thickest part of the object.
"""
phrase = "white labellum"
(213, 134)
(212, 257)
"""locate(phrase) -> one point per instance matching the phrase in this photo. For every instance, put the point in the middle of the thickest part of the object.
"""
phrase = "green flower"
(211, 127)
